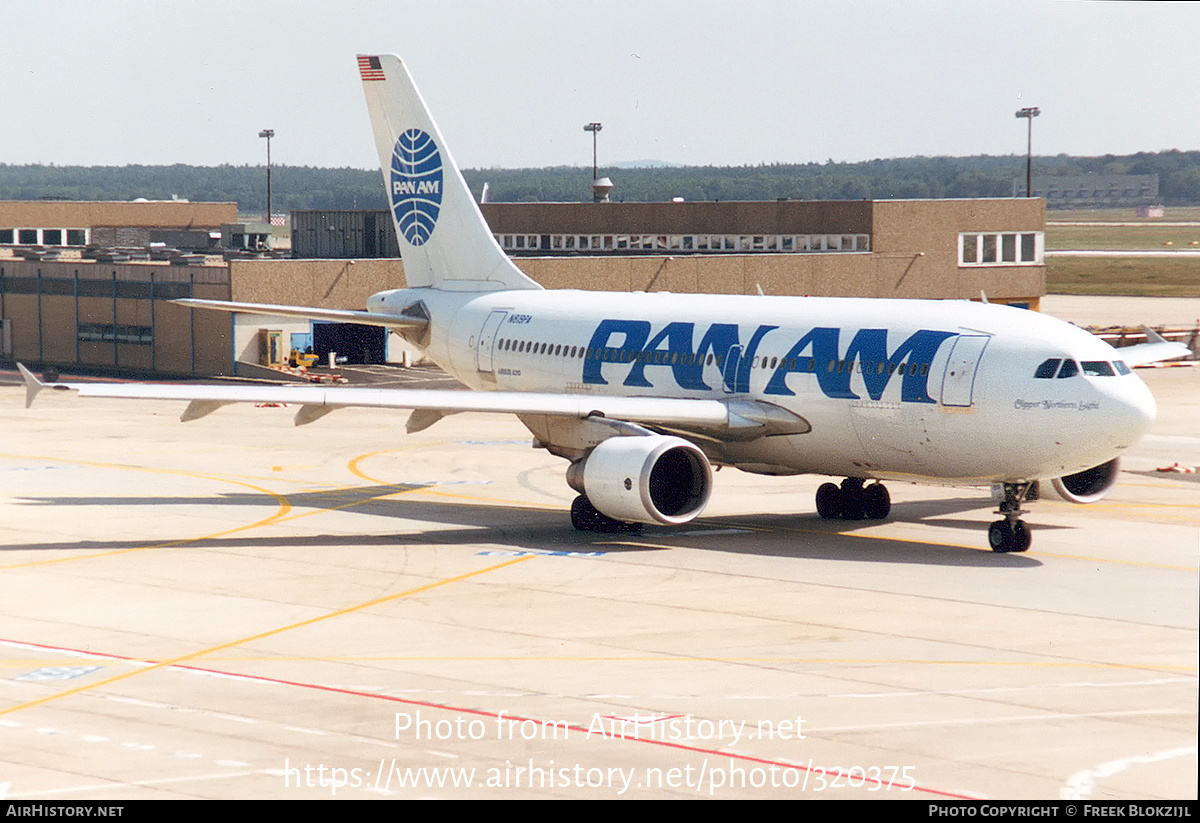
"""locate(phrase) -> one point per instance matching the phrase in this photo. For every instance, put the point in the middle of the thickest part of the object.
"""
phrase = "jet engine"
(645, 479)
(1089, 485)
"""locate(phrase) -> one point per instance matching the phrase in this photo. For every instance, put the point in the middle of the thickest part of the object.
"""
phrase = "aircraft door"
(958, 383)
(487, 341)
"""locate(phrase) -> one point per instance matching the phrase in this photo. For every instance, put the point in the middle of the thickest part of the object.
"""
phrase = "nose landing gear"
(1011, 534)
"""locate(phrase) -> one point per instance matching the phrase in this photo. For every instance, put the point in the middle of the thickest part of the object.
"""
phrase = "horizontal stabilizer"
(367, 318)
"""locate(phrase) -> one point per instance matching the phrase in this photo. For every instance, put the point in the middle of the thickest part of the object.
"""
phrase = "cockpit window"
(1048, 368)
(1097, 368)
(1121, 367)
(1069, 369)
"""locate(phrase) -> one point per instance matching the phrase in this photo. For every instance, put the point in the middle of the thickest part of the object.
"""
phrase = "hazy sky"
(511, 83)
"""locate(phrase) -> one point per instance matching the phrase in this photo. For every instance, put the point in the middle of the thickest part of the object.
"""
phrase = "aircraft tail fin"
(444, 241)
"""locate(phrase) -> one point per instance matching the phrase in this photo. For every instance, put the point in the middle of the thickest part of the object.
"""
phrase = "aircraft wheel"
(853, 504)
(583, 514)
(587, 518)
(829, 501)
(1000, 536)
(1022, 537)
(877, 503)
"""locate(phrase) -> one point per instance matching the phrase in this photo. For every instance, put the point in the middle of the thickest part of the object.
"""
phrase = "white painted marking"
(991, 721)
(304, 730)
(997, 689)
(1082, 784)
(57, 673)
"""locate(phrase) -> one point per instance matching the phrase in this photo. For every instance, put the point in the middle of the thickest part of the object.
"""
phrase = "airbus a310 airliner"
(644, 393)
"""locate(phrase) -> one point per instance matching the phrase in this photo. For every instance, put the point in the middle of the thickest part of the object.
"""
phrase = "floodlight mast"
(1029, 114)
(268, 133)
(594, 128)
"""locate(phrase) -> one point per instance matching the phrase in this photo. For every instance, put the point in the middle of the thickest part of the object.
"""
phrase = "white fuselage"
(930, 390)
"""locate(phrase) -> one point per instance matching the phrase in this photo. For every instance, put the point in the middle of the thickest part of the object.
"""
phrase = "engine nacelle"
(646, 479)
(1089, 485)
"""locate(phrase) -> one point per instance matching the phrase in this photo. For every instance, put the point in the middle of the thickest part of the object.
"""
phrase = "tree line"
(308, 187)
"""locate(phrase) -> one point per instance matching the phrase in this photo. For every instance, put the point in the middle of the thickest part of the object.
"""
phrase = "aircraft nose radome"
(1134, 410)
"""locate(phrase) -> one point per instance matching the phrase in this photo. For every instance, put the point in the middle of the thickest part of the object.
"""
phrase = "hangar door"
(355, 342)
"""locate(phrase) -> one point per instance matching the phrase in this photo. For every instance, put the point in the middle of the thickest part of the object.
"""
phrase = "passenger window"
(1048, 368)
(1097, 368)
(1069, 369)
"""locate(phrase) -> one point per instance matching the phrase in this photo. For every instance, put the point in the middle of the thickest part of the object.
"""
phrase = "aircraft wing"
(1156, 348)
(748, 418)
(368, 318)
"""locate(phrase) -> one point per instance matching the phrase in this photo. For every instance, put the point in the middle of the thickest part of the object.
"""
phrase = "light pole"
(594, 128)
(268, 133)
(1029, 114)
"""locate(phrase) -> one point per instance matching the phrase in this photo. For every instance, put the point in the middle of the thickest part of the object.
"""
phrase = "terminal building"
(52, 225)
(1092, 191)
(63, 310)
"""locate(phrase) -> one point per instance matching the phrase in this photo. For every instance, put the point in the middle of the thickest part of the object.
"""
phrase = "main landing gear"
(586, 518)
(853, 501)
(1011, 534)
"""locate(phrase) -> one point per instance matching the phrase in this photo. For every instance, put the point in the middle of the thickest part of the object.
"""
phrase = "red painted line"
(493, 715)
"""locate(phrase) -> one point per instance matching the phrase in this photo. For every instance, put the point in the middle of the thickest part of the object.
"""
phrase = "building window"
(107, 333)
(1001, 248)
(1029, 248)
(988, 252)
(1008, 248)
(685, 243)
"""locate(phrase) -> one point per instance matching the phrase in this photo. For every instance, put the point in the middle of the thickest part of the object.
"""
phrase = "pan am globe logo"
(416, 188)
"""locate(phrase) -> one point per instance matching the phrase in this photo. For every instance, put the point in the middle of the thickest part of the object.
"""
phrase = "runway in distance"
(644, 393)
